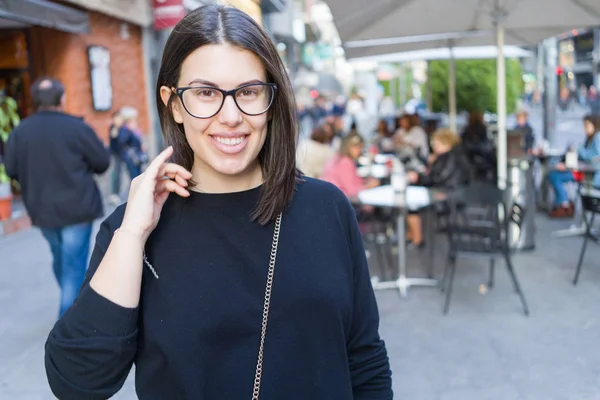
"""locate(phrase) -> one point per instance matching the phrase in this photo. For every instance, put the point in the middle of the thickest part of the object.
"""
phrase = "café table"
(414, 198)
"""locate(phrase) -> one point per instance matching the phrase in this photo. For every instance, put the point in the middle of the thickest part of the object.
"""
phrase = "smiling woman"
(208, 52)
(228, 275)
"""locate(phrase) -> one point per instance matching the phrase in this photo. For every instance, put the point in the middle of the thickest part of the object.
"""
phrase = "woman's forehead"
(221, 65)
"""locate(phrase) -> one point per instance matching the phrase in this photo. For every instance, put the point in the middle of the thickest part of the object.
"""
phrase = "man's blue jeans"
(70, 246)
(558, 179)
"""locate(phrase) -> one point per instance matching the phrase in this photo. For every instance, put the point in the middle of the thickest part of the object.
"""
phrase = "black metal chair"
(477, 226)
(377, 233)
(590, 201)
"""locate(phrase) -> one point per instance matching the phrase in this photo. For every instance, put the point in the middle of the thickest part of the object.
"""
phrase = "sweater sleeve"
(91, 349)
(591, 153)
(367, 355)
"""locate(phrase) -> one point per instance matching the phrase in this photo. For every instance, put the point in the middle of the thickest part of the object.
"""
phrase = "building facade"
(579, 58)
(95, 47)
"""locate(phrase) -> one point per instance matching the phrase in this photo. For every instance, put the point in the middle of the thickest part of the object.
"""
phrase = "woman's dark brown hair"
(382, 127)
(321, 135)
(216, 24)
(475, 118)
(410, 118)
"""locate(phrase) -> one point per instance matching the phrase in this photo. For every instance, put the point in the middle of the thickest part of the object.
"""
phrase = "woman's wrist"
(133, 233)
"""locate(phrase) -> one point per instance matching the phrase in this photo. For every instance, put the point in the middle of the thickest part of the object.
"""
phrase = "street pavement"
(484, 349)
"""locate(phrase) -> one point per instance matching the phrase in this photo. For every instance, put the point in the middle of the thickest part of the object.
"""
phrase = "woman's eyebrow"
(204, 82)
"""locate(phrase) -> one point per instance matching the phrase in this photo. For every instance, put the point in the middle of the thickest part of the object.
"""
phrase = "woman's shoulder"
(311, 191)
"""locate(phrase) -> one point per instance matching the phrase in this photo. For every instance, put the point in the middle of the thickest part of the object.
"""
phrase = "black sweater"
(54, 157)
(196, 332)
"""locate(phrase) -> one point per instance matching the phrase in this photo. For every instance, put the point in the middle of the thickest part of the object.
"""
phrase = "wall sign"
(99, 60)
(167, 13)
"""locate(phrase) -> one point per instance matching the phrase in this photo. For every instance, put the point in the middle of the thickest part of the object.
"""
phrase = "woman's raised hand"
(150, 190)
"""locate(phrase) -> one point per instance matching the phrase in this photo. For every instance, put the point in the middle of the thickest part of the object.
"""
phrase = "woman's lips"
(230, 144)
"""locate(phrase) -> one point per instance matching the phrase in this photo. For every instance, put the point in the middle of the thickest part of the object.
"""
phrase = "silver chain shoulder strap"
(263, 333)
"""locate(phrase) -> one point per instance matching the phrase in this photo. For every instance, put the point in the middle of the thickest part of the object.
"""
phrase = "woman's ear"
(165, 95)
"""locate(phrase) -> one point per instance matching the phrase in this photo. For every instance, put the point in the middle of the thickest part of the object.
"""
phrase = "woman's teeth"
(230, 141)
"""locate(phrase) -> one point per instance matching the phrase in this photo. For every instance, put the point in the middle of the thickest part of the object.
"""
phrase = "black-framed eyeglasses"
(206, 101)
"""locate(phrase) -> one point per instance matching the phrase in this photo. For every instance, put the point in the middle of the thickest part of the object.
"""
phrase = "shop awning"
(44, 13)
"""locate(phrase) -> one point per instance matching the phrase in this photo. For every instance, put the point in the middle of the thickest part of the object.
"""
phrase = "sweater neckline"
(247, 198)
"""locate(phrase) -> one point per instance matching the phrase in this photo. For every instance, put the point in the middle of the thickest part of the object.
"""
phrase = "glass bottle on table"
(399, 179)
(571, 158)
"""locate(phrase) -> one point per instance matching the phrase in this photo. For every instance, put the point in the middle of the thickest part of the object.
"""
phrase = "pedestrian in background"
(526, 131)
(130, 142)
(54, 156)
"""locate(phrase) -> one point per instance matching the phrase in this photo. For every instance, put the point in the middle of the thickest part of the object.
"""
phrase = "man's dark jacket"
(54, 157)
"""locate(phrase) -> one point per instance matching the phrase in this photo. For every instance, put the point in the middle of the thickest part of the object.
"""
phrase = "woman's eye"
(247, 93)
(205, 93)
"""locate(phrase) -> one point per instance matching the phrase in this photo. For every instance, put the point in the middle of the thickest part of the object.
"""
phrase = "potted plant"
(9, 118)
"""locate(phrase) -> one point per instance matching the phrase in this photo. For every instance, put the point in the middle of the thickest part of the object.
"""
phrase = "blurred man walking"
(54, 157)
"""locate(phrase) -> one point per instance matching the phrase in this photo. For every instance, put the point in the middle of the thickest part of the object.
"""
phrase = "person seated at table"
(526, 130)
(313, 153)
(341, 170)
(449, 170)
(478, 147)
(589, 152)
(411, 137)
(383, 138)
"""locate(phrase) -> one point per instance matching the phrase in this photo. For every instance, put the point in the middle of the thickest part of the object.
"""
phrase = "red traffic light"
(559, 70)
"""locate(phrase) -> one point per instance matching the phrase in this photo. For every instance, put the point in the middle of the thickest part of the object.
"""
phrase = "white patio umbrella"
(447, 53)
(374, 27)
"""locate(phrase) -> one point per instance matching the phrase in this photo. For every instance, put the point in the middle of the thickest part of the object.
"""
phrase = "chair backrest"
(475, 223)
(516, 214)
(590, 200)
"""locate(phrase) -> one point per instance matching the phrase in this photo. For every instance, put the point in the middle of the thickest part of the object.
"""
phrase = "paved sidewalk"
(484, 349)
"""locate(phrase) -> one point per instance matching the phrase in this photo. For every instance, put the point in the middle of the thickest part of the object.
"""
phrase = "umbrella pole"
(451, 88)
(501, 106)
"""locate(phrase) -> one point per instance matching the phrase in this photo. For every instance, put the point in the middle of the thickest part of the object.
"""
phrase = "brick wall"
(64, 55)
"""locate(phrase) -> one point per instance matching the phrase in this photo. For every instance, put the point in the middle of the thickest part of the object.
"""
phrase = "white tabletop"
(415, 197)
(379, 171)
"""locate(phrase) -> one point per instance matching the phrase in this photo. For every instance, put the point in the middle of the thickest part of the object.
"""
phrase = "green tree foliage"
(9, 118)
(475, 85)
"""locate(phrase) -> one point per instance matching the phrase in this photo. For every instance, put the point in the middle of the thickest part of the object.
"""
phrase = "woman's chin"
(232, 168)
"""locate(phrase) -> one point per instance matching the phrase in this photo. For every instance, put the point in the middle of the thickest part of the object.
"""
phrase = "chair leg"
(513, 276)
(450, 282)
(581, 255)
(445, 274)
(431, 245)
(492, 265)
(583, 248)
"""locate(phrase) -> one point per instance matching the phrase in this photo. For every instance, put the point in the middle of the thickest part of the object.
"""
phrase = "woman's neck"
(210, 181)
